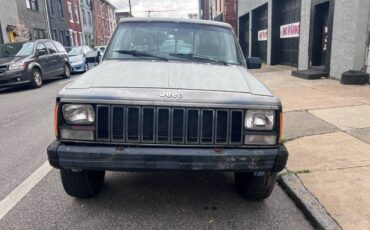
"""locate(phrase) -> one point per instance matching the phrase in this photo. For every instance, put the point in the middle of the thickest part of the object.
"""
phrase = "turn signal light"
(56, 109)
(281, 126)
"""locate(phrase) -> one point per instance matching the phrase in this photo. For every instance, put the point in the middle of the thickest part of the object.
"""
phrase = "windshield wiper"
(137, 53)
(191, 56)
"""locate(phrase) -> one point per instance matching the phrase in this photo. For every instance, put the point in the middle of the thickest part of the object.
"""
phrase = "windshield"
(174, 41)
(16, 49)
(75, 51)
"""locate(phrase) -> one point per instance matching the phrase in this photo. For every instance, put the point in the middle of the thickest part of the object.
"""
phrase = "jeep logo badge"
(168, 94)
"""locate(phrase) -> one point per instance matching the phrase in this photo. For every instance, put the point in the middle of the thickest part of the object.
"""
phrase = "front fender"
(32, 65)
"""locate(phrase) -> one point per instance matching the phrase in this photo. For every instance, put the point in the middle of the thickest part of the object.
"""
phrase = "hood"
(8, 60)
(74, 58)
(171, 75)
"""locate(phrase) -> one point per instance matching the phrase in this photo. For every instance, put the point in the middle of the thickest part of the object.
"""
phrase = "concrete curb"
(304, 199)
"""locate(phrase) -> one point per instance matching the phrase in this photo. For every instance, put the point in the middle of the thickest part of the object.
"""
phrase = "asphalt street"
(160, 200)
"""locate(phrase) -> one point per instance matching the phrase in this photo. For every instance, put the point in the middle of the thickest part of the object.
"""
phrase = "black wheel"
(255, 185)
(67, 71)
(36, 78)
(86, 67)
(82, 184)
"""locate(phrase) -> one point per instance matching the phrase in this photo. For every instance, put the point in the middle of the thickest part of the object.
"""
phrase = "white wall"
(350, 32)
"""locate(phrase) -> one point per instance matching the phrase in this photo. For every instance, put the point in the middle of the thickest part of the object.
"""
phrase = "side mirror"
(41, 52)
(254, 63)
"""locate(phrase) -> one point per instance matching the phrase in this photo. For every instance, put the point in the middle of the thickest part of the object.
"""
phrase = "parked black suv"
(29, 63)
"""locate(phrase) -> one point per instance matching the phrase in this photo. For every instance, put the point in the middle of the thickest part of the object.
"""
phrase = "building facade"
(74, 35)
(87, 22)
(104, 21)
(32, 19)
(319, 37)
(111, 18)
(219, 10)
(9, 21)
(58, 21)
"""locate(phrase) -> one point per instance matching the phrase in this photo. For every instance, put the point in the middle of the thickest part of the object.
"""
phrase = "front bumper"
(14, 78)
(111, 158)
(78, 67)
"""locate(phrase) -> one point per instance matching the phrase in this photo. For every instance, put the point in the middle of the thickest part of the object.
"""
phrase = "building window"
(70, 12)
(83, 16)
(90, 18)
(82, 42)
(77, 17)
(54, 35)
(38, 33)
(50, 7)
(60, 6)
(32, 4)
(62, 39)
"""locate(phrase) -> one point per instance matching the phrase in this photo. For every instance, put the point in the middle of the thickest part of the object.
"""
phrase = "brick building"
(104, 21)
(219, 10)
(72, 10)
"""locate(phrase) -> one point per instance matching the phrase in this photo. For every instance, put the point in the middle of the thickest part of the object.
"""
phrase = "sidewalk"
(327, 133)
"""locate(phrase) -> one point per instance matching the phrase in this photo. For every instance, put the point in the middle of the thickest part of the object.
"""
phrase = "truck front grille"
(169, 125)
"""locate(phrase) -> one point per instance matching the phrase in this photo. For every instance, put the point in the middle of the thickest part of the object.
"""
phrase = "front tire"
(255, 185)
(86, 68)
(67, 71)
(36, 78)
(82, 184)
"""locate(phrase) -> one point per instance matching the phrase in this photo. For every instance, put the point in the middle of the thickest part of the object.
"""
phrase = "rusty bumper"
(111, 158)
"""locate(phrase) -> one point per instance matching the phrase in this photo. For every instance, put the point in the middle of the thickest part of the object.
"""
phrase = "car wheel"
(67, 71)
(82, 184)
(86, 67)
(36, 78)
(255, 185)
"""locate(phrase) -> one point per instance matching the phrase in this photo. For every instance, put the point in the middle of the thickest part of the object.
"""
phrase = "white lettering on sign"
(262, 35)
(289, 30)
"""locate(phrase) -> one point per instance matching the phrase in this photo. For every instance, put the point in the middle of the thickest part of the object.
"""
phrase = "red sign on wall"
(262, 35)
(289, 30)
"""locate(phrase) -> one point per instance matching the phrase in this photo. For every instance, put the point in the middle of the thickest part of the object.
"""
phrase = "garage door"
(289, 31)
(260, 32)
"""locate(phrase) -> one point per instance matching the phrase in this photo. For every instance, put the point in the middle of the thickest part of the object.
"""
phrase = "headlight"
(17, 66)
(78, 114)
(259, 119)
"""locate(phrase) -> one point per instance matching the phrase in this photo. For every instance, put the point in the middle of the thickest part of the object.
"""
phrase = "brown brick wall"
(230, 13)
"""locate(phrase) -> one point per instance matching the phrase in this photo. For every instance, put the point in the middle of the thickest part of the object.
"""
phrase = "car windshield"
(16, 49)
(75, 51)
(174, 41)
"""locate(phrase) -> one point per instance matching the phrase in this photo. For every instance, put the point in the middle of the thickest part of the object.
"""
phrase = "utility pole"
(129, 5)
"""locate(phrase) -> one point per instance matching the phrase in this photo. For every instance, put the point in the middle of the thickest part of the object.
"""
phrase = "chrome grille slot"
(236, 127)
(207, 127)
(118, 121)
(148, 128)
(102, 130)
(178, 125)
(222, 120)
(133, 124)
(193, 126)
(163, 125)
